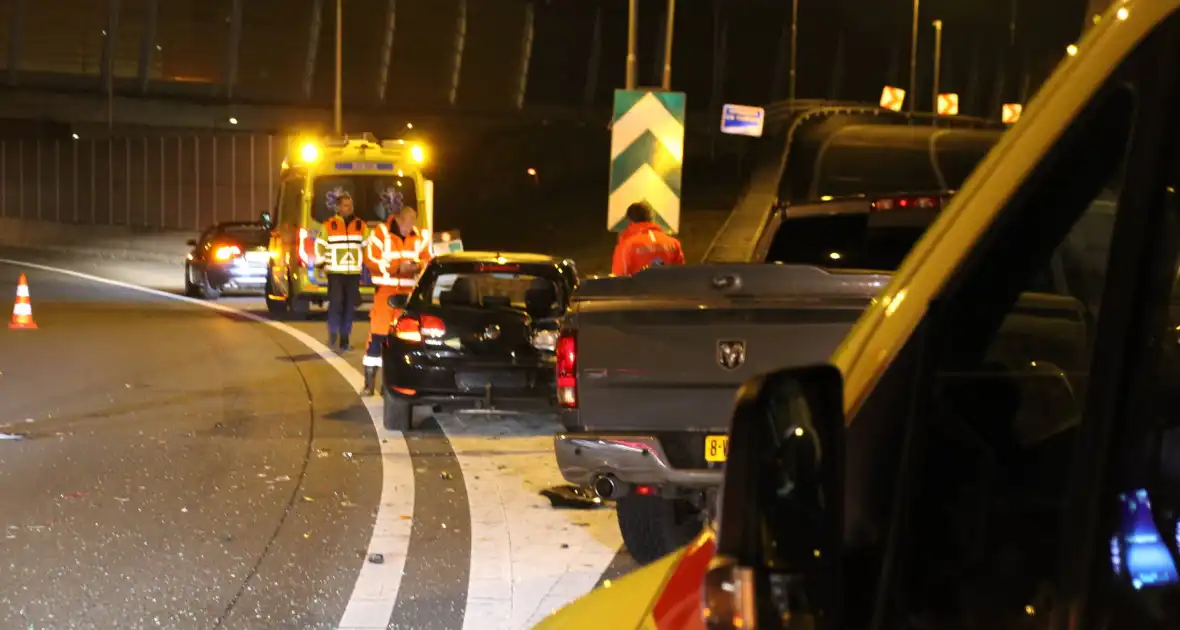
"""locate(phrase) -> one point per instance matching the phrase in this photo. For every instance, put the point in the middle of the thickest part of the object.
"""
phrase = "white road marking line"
(527, 559)
(370, 606)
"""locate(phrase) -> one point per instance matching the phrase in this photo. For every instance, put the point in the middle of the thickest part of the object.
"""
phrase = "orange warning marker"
(22, 310)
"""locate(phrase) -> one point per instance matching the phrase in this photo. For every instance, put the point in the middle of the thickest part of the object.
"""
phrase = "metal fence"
(173, 182)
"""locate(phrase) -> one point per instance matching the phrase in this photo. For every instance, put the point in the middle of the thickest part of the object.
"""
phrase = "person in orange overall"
(396, 253)
(643, 244)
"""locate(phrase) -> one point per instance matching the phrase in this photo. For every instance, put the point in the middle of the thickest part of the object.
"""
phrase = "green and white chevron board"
(646, 155)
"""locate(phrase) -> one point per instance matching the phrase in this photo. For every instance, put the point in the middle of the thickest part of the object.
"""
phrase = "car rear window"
(539, 296)
(863, 241)
(845, 241)
(248, 236)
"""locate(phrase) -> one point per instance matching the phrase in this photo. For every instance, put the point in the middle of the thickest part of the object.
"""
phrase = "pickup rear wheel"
(653, 527)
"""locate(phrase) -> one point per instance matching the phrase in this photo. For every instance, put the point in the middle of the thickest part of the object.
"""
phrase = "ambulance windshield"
(373, 196)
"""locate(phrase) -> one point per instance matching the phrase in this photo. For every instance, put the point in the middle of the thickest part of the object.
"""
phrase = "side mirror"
(399, 301)
(781, 518)
(265, 217)
(192, 242)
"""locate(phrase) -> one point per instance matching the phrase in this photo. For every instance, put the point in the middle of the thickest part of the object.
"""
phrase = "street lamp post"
(913, 93)
(338, 104)
(794, 48)
(937, 62)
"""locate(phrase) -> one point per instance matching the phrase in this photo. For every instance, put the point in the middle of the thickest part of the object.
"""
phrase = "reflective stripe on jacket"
(385, 251)
(339, 245)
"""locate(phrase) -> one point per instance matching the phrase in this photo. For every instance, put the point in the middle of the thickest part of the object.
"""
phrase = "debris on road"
(568, 497)
(377, 558)
(69, 496)
(323, 452)
(11, 436)
(445, 475)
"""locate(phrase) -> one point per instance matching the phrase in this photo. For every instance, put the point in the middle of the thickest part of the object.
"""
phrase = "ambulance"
(379, 176)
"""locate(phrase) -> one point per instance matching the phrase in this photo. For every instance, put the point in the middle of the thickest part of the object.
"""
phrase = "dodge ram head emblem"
(731, 354)
(491, 333)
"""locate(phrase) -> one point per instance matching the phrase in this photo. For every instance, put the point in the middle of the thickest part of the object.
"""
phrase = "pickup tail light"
(306, 248)
(567, 370)
(906, 203)
(415, 328)
(227, 252)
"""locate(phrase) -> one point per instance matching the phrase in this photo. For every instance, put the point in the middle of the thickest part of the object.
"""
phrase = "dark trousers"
(344, 297)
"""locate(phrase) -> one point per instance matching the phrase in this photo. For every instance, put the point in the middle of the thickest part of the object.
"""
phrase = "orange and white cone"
(22, 310)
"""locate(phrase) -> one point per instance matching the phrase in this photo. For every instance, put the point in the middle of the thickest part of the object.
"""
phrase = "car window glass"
(1006, 376)
(537, 295)
(373, 196)
(845, 241)
(247, 235)
(1005, 412)
(291, 204)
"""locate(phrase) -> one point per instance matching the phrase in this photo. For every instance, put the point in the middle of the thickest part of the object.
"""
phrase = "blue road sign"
(742, 120)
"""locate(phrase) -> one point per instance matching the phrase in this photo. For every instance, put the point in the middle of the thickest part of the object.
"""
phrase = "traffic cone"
(22, 310)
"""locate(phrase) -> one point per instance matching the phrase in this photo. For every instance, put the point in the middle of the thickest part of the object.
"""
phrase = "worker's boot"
(332, 340)
(370, 380)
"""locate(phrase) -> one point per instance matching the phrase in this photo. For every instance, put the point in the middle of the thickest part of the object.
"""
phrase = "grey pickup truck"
(648, 365)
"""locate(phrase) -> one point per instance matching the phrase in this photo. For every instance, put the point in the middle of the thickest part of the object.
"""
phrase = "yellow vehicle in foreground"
(986, 449)
(379, 175)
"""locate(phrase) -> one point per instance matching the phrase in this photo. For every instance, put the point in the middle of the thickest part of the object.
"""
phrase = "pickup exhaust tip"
(605, 486)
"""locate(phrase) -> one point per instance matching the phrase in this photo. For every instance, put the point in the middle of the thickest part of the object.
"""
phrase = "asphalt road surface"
(164, 464)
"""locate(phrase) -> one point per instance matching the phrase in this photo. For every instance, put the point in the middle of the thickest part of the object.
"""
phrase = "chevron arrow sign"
(646, 155)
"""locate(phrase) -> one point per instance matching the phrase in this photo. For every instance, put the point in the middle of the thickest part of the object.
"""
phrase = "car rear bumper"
(630, 458)
(235, 277)
(457, 385)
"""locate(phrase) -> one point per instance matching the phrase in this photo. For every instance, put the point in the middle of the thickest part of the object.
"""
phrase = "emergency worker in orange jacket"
(396, 253)
(339, 254)
(643, 244)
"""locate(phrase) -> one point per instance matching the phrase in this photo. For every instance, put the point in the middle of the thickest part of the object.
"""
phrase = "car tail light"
(306, 247)
(906, 203)
(227, 252)
(413, 328)
(567, 369)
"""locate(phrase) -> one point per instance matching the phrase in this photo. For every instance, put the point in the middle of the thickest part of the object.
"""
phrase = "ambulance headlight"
(418, 154)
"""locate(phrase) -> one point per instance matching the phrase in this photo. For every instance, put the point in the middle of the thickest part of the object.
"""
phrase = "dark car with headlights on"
(228, 257)
(478, 331)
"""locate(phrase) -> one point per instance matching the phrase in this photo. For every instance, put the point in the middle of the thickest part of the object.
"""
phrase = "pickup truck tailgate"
(667, 348)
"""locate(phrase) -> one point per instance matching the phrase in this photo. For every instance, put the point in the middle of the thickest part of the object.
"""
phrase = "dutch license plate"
(716, 448)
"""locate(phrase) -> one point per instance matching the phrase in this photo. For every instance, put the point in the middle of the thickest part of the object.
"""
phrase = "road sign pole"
(632, 36)
(669, 29)
(913, 92)
(937, 61)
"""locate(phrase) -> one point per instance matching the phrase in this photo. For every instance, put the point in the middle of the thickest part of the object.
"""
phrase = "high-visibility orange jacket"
(385, 250)
(643, 245)
(338, 247)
